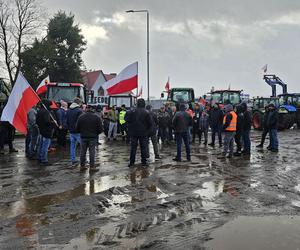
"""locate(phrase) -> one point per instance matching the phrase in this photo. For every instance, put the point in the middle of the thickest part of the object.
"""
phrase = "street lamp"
(148, 85)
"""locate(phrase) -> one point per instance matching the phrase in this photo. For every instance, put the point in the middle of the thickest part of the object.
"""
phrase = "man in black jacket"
(139, 124)
(181, 123)
(46, 124)
(216, 123)
(153, 133)
(265, 128)
(89, 126)
(247, 121)
(239, 130)
(272, 124)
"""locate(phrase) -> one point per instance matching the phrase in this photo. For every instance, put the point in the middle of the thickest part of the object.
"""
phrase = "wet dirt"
(209, 203)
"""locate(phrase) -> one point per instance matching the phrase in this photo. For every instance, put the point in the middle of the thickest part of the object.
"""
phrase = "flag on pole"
(42, 88)
(125, 81)
(22, 98)
(140, 92)
(265, 68)
(167, 86)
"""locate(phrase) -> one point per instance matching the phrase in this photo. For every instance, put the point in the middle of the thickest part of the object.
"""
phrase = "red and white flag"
(140, 92)
(125, 81)
(42, 88)
(22, 98)
(265, 68)
(167, 86)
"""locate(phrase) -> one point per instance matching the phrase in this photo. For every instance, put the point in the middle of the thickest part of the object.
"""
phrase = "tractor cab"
(57, 91)
(223, 97)
(180, 95)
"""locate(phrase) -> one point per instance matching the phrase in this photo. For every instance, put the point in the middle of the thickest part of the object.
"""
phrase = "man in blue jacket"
(72, 116)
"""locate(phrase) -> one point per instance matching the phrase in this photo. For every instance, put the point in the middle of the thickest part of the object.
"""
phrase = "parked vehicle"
(180, 95)
(222, 97)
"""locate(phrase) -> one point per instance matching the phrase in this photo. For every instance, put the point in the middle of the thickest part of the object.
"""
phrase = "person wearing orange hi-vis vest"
(229, 127)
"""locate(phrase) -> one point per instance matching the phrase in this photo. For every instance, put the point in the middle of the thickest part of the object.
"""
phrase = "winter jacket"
(272, 122)
(163, 119)
(247, 121)
(182, 121)
(265, 122)
(45, 123)
(72, 116)
(216, 118)
(31, 118)
(203, 121)
(196, 118)
(113, 115)
(154, 123)
(89, 125)
(240, 119)
(61, 115)
(139, 122)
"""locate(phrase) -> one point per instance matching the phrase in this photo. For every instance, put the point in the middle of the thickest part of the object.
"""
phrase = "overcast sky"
(196, 43)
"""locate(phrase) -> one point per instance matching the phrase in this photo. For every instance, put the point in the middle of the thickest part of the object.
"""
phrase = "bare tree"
(20, 20)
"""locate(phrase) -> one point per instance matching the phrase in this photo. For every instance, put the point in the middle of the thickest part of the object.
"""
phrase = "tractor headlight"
(283, 111)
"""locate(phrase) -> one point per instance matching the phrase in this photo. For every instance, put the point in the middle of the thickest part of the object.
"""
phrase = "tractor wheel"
(257, 120)
(285, 121)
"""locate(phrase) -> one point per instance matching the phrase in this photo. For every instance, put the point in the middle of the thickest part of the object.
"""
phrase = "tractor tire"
(257, 120)
(285, 121)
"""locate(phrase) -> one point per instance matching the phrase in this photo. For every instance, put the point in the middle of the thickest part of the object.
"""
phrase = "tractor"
(286, 106)
(180, 95)
(222, 97)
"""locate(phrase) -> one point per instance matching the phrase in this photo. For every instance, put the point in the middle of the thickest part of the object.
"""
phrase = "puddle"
(248, 233)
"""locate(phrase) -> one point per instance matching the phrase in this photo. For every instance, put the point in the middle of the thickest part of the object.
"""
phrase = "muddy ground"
(209, 203)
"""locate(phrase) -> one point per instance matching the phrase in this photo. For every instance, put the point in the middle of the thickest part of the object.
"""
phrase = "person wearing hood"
(72, 116)
(265, 128)
(89, 126)
(61, 115)
(46, 124)
(247, 121)
(229, 127)
(182, 121)
(239, 130)
(216, 121)
(139, 126)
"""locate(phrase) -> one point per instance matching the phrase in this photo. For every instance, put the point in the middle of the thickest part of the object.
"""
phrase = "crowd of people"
(139, 126)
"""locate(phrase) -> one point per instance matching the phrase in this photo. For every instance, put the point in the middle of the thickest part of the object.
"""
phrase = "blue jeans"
(273, 139)
(184, 136)
(228, 142)
(44, 146)
(246, 140)
(74, 139)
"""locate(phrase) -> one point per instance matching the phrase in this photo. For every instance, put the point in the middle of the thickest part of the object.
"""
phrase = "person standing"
(72, 116)
(196, 122)
(32, 137)
(247, 122)
(139, 124)
(182, 121)
(229, 127)
(163, 125)
(123, 125)
(265, 128)
(272, 124)
(189, 110)
(113, 123)
(46, 125)
(89, 126)
(203, 125)
(61, 115)
(216, 123)
(170, 130)
(239, 130)
(153, 133)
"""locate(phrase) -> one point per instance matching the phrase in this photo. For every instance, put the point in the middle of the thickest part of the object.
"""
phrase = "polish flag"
(125, 81)
(42, 88)
(22, 98)
(140, 92)
(167, 86)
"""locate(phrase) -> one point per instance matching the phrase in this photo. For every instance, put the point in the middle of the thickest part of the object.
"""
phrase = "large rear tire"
(257, 120)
